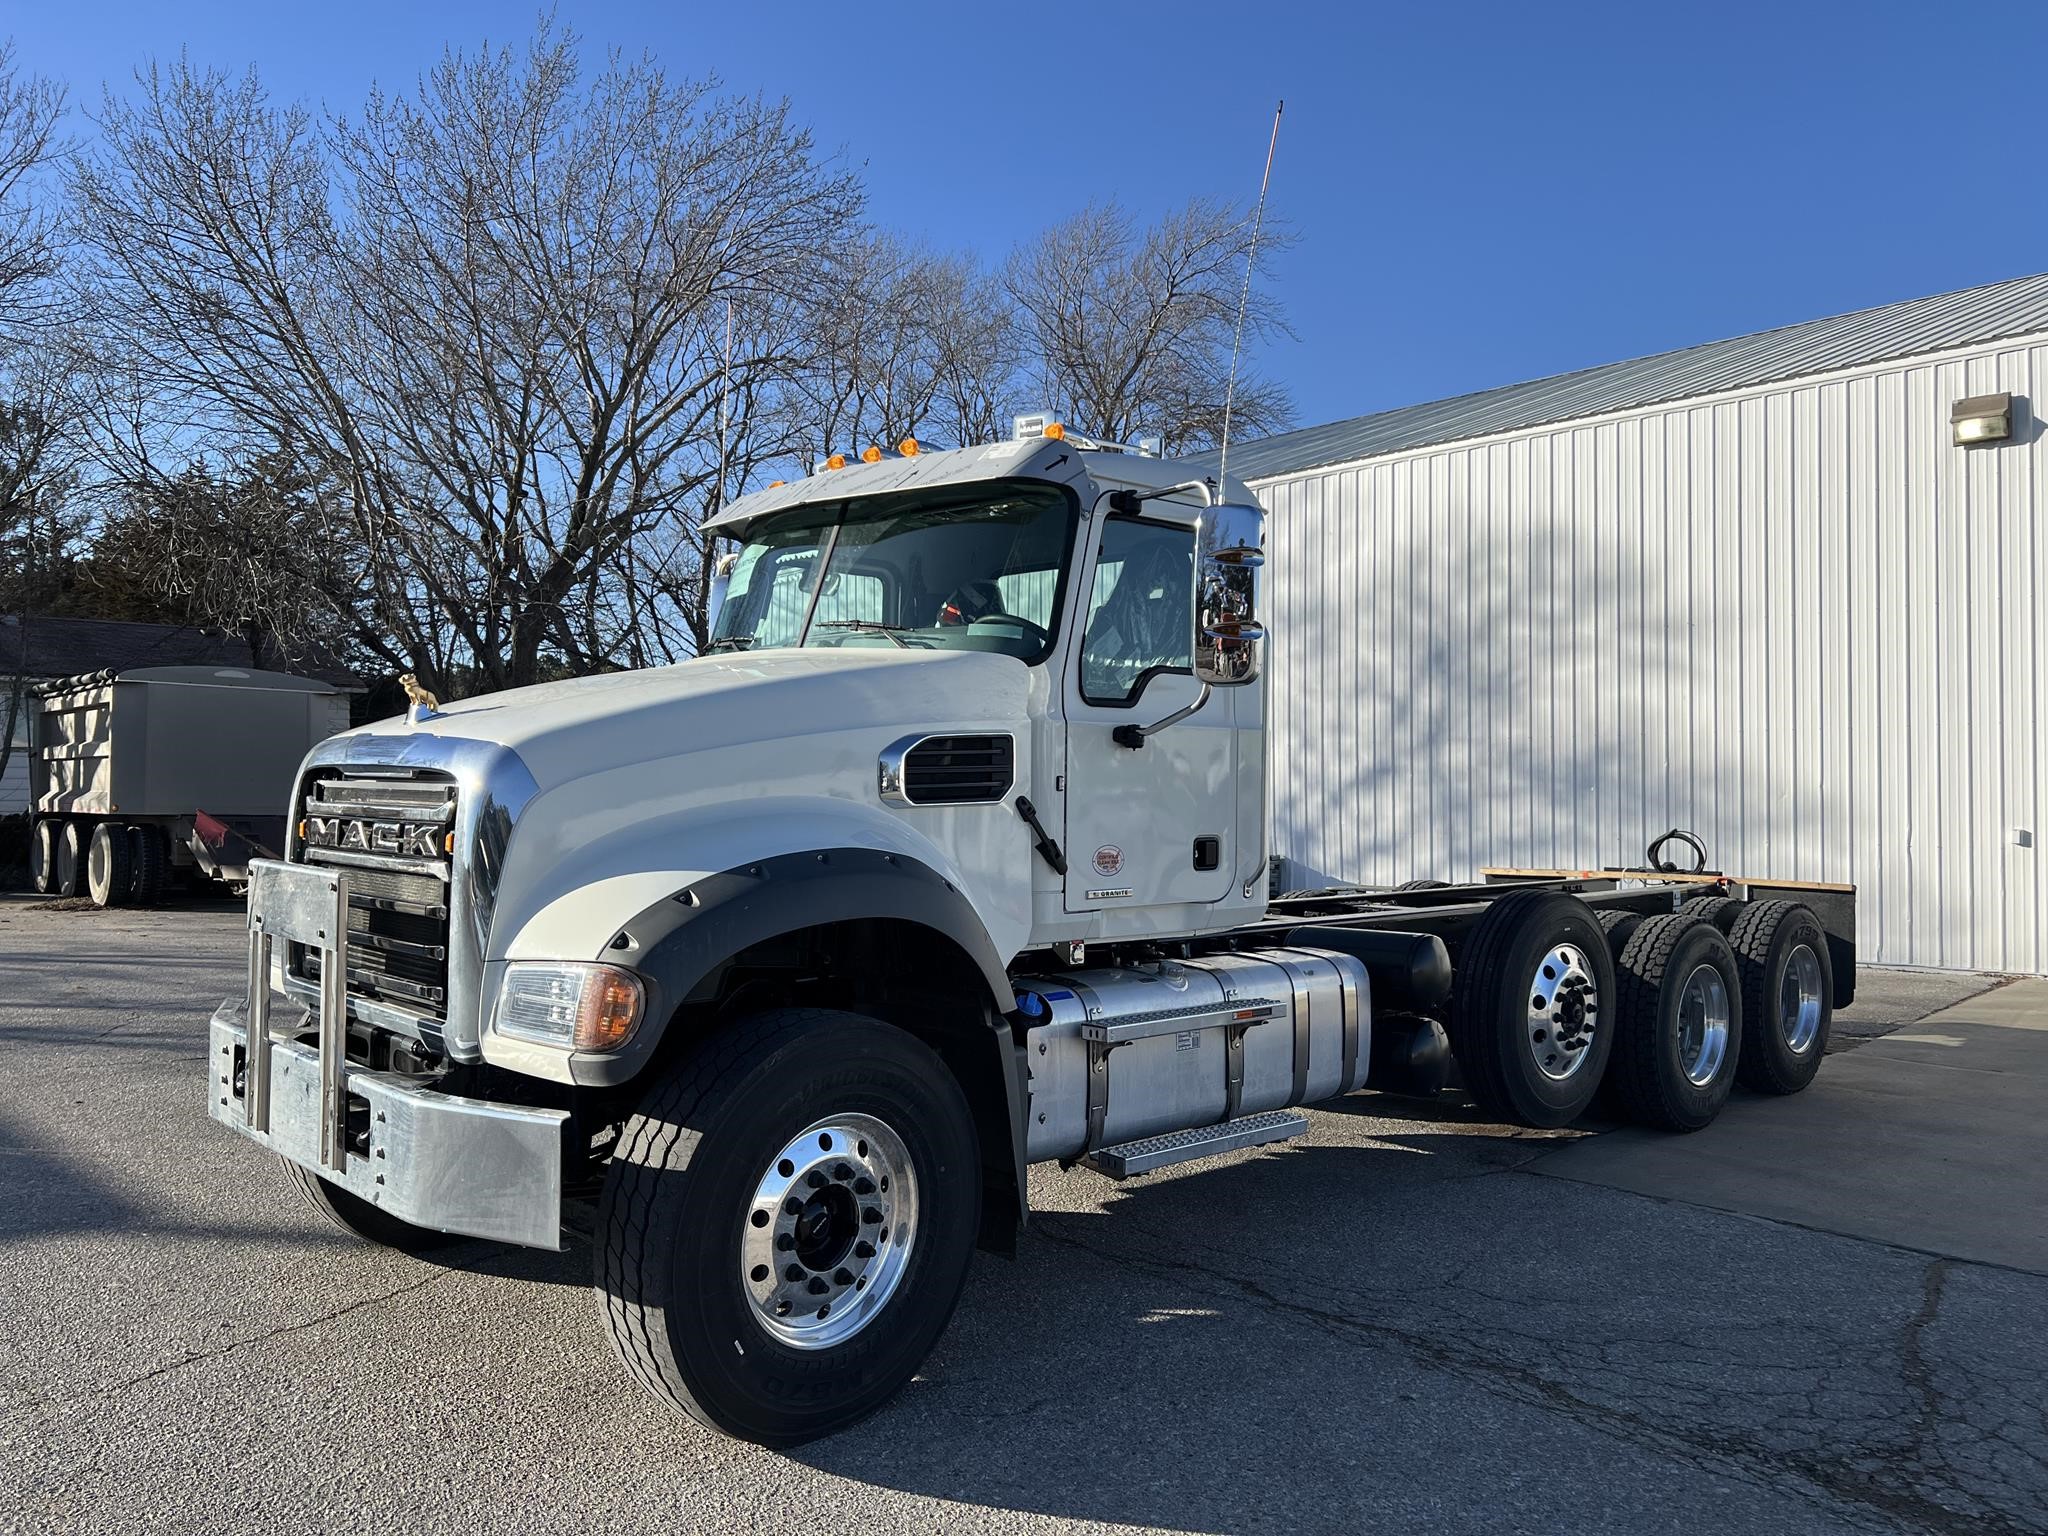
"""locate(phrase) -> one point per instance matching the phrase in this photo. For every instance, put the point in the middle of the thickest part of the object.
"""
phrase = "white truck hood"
(562, 731)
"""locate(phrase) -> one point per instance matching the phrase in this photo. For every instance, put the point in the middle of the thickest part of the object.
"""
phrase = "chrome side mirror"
(1229, 552)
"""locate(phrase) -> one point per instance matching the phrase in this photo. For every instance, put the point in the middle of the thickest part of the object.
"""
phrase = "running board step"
(1130, 1157)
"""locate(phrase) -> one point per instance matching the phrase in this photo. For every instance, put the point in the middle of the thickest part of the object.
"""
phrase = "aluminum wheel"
(1703, 1019)
(1799, 1000)
(1564, 1011)
(830, 1231)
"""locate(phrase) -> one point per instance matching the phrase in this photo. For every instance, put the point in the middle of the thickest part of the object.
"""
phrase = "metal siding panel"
(1800, 622)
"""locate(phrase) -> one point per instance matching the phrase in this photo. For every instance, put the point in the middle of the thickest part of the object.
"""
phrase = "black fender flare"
(679, 945)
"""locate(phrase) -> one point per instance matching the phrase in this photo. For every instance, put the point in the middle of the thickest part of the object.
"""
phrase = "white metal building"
(1753, 588)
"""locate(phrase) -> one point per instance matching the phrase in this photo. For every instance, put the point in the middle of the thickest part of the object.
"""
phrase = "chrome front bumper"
(436, 1160)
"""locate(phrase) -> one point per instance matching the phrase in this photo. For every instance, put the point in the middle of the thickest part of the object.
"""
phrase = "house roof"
(2016, 307)
(64, 647)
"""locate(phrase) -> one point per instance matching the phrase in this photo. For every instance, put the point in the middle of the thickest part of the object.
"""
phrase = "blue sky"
(1482, 192)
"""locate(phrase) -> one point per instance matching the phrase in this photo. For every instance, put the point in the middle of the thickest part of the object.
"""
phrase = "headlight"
(574, 1007)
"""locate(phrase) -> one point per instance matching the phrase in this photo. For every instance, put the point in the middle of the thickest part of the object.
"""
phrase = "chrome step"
(1127, 1158)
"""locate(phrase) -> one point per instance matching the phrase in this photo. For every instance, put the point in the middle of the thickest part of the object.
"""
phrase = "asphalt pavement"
(1399, 1323)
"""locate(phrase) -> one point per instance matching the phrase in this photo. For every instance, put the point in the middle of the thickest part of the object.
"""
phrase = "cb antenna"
(1251, 257)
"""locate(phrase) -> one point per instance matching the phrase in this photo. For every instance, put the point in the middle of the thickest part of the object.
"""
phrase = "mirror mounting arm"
(1134, 735)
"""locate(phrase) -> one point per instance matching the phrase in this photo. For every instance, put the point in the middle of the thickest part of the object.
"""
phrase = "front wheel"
(357, 1217)
(787, 1223)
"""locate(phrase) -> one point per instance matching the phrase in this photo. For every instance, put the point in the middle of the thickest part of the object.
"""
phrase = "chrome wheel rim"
(1799, 1000)
(1703, 1016)
(1564, 1012)
(828, 1235)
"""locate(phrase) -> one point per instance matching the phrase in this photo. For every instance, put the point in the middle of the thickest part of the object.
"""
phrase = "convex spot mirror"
(1230, 549)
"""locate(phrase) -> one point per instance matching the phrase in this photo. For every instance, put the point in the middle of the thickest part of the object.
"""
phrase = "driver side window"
(1140, 609)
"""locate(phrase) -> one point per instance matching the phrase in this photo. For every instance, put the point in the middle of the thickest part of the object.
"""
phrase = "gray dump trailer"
(157, 776)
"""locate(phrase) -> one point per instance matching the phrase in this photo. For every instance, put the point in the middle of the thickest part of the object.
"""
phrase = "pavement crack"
(29, 1406)
(1882, 1486)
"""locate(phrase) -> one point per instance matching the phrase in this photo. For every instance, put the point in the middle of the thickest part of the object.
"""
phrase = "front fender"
(566, 900)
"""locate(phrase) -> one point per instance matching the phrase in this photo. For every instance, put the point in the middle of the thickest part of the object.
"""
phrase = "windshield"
(975, 570)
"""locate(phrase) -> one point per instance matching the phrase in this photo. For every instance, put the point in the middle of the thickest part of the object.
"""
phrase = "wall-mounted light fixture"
(1981, 419)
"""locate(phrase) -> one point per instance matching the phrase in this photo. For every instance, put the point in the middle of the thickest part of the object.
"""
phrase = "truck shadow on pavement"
(1325, 1337)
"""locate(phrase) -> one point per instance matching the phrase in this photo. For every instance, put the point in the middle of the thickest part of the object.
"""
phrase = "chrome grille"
(369, 821)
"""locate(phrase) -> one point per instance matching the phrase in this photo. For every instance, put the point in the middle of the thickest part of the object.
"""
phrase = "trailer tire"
(1680, 1040)
(1534, 959)
(1787, 997)
(1423, 885)
(150, 860)
(70, 858)
(109, 872)
(1721, 911)
(42, 856)
(357, 1217)
(704, 1187)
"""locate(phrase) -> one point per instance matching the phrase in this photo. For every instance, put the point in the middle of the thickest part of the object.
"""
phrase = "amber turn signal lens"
(610, 1011)
(1055, 431)
(871, 454)
(908, 448)
(837, 461)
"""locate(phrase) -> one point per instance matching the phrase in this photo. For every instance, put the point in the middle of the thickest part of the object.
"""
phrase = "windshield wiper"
(737, 642)
(868, 627)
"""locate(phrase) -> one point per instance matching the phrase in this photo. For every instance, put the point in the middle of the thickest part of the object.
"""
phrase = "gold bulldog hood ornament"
(424, 705)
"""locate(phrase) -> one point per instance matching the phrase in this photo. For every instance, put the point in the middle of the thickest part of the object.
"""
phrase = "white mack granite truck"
(774, 970)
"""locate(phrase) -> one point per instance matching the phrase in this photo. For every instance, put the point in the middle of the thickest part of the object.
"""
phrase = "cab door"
(1153, 825)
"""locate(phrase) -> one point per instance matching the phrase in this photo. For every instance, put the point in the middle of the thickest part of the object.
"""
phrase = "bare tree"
(257, 553)
(30, 110)
(1131, 330)
(978, 353)
(491, 315)
(38, 529)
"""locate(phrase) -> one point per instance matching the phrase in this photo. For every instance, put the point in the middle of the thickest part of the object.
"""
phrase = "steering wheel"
(981, 602)
(1039, 636)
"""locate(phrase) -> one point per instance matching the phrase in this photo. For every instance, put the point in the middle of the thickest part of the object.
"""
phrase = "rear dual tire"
(42, 857)
(1788, 990)
(109, 866)
(1680, 995)
(70, 865)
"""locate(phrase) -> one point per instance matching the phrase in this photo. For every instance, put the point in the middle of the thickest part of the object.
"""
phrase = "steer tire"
(1650, 1078)
(109, 873)
(1493, 1024)
(70, 858)
(694, 1198)
(150, 859)
(1767, 939)
(357, 1217)
(42, 856)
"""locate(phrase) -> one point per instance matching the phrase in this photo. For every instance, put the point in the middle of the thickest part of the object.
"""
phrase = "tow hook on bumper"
(436, 1160)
